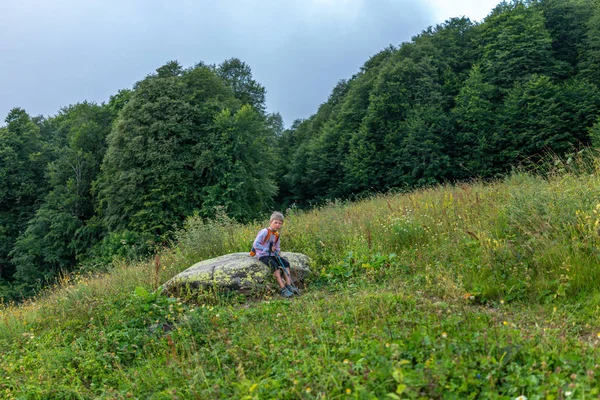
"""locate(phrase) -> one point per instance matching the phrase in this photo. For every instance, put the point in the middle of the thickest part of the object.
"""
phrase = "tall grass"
(480, 290)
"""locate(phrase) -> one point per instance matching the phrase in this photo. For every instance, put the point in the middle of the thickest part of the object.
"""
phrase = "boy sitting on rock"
(266, 248)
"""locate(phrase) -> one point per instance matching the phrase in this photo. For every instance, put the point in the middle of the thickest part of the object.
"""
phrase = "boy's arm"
(277, 248)
(258, 242)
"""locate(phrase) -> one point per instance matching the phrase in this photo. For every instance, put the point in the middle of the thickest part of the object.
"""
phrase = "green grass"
(466, 291)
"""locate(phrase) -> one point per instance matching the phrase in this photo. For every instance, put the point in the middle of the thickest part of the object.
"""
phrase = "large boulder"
(237, 271)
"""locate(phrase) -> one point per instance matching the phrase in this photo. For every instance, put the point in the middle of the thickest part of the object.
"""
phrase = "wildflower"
(472, 297)
(308, 390)
(598, 335)
(568, 393)
(504, 323)
(521, 398)
(387, 345)
(348, 391)
(346, 361)
(295, 381)
(444, 335)
(501, 301)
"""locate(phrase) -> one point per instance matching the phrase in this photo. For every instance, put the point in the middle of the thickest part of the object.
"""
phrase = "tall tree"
(589, 64)
(516, 44)
(421, 158)
(451, 49)
(474, 151)
(292, 181)
(237, 166)
(59, 233)
(238, 76)
(540, 116)
(163, 153)
(566, 21)
(374, 154)
(23, 157)
(147, 176)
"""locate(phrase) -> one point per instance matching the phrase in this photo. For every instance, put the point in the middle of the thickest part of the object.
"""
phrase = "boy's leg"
(288, 281)
(272, 263)
(277, 275)
(285, 289)
(288, 277)
(286, 265)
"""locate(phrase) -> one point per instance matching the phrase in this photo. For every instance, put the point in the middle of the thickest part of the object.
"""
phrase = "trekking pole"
(285, 271)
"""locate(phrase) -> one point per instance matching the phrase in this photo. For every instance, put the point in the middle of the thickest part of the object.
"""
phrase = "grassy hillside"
(467, 291)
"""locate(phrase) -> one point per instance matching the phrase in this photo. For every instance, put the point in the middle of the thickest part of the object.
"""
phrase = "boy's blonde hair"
(276, 215)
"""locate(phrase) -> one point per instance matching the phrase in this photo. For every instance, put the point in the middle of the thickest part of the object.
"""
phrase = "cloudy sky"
(60, 52)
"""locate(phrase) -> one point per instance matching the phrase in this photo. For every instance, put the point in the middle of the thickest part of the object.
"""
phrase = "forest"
(461, 101)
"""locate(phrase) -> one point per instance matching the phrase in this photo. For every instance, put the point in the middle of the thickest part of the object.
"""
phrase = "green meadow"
(482, 290)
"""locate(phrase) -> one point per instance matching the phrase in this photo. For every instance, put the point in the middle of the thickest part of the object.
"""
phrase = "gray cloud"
(63, 52)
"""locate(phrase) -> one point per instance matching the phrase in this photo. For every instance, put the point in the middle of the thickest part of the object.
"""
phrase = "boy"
(266, 246)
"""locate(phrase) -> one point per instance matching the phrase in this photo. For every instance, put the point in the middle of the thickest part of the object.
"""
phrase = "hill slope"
(468, 291)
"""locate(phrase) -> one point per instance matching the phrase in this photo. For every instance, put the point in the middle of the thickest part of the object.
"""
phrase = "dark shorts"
(273, 263)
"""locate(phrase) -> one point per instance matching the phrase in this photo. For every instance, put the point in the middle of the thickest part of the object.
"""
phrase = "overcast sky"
(60, 52)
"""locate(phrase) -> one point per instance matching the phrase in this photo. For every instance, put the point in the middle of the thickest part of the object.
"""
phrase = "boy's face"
(276, 224)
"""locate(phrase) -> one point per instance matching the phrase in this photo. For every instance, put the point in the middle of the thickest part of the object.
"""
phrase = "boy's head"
(276, 221)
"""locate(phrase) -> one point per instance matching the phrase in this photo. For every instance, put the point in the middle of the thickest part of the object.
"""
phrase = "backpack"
(269, 233)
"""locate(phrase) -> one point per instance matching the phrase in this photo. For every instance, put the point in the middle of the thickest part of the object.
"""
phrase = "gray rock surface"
(236, 271)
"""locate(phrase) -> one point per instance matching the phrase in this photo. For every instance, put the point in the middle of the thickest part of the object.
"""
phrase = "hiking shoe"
(293, 290)
(285, 292)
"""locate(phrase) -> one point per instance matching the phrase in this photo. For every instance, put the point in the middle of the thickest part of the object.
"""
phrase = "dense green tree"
(515, 44)
(183, 144)
(59, 234)
(540, 116)
(589, 64)
(238, 76)
(312, 158)
(23, 157)
(566, 22)
(294, 185)
(149, 168)
(369, 159)
(375, 149)
(422, 158)
(473, 152)
(594, 134)
(275, 124)
(237, 166)
(451, 49)
(324, 163)
(320, 162)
